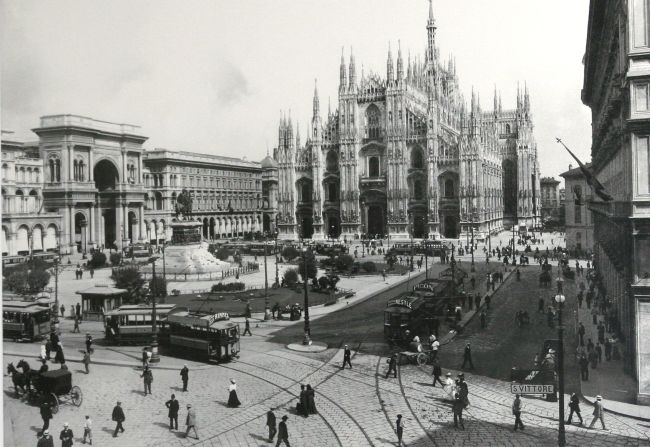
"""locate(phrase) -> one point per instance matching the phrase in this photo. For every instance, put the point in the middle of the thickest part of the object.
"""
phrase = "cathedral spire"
(297, 135)
(316, 100)
(389, 66)
(343, 78)
(400, 63)
(353, 75)
(496, 100)
(409, 70)
(431, 34)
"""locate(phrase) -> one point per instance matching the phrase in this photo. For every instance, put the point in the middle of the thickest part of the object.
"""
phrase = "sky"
(213, 76)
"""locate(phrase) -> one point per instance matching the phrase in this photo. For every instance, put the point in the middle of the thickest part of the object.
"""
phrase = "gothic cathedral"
(405, 156)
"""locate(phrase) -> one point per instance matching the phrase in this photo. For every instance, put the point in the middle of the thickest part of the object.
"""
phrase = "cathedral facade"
(405, 155)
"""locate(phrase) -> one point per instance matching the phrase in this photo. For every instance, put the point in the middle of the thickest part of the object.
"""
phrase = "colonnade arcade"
(214, 227)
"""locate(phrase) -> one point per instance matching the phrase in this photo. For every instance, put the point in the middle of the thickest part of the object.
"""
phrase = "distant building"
(550, 198)
(617, 89)
(578, 223)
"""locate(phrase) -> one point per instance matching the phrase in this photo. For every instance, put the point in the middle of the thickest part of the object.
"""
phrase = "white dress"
(450, 388)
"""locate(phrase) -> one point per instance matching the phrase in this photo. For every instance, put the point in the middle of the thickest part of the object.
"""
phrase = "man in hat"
(118, 416)
(173, 407)
(46, 415)
(574, 407)
(599, 412)
(283, 433)
(399, 429)
(347, 355)
(185, 374)
(516, 411)
(271, 423)
(462, 389)
(148, 378)
(88, 430)
(66, 436)
(46, 440)
(467, 356)
(247, 328)
(191, 421)
(457, 408)
(437, 372)
(392, 366)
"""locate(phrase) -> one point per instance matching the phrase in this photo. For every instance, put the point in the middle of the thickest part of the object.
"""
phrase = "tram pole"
(267, 310)
(154, 326)
(307, 339)
(277, 279)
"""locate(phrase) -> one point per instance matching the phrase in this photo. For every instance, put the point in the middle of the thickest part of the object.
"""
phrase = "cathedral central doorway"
(333, 226)
(307, 227)
(376, 220)
(419, 226)
(110, 233)
(450, 230)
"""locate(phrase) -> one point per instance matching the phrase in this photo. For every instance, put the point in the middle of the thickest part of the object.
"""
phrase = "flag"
(592, 181)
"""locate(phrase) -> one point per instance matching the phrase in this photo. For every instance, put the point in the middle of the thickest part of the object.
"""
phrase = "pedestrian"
(86, 362)
(581, 333)
(383, 274)
(540, 306)
(247, 328)
(302, 407)
(79, 310)
(574, 407)
(89, 344)
(347, 355)
(584, 367)
(457, 408)
(487, 282)
(483, 319)
(601, 332)
(437, 372)
(190, 422)
(399, 429)
(462, 390)
(148, 378)
(233, 400)
(488, 299)
(435, 346)
(270, 422)
(62, 311)
(66, 436)
(450, 387)
(145, 358)
(46, 440)
(608, 349)
(173, 406)
(76, 325)
(88, 430)
(477, 301)
(46, 415)
(311, 403)
(590, 345)
(467, 356)
(59, 357)
(283, 433)
(516, 411)
(599, 413)
(592, 356)
(91, 270)
(580, 298)
(599, 352)
(43, 367)
(118, 417)
(392, 366)
(185, 374)
(590, 296)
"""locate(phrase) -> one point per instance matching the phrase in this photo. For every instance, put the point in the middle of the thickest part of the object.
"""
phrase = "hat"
(599, 397)
(448, 374)
(119, 403)
(65, 424)
(461, 375)
(285, 417)
(46, 432)
(189, 405)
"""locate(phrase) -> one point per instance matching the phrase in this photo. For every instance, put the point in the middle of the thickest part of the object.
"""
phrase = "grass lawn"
(235, 302)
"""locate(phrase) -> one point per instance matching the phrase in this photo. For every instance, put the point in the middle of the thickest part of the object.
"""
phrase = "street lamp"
(305, 255)
(472, 230)
(277, 278)
(426, 256)
(267, 310)
(154, 326)
(559, 299)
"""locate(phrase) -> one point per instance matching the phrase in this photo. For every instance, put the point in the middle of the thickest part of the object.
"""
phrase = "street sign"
(517, 388)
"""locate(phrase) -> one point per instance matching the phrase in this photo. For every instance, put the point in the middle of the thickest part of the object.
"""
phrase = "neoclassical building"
(87, 183)
(404, 154)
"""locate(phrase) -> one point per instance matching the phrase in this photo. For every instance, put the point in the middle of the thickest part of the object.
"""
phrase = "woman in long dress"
(233, 400)
(450, 387)
(311, 404)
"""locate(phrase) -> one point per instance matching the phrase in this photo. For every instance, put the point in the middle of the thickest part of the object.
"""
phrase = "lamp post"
(411, 233)
(472, 268)
(559, 299)
(277, 278)
(154, 325)
(267, 310)
(307, 339)
(426, 256)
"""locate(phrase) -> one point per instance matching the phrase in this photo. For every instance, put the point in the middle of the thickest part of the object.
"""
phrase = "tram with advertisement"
(257, 248)
(208, 337)
(132, 323)
(25, 320)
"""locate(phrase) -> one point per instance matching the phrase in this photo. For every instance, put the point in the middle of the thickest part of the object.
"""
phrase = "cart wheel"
(76, 395)
(54, 403)
(421, 358)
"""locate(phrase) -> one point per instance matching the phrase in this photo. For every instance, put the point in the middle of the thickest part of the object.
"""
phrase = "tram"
(207, 337)
(25, 320)
(404, 316)
(132, 324)
(257, 248)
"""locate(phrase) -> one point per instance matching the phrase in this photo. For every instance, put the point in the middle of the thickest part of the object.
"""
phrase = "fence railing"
(211, 276)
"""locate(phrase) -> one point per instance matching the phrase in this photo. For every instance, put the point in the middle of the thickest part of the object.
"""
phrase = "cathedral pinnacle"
(400, 63)
(389, 66)
(316, 101)
(353, 76)
(343, 78)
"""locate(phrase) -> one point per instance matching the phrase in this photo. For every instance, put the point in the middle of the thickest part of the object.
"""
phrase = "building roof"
(269, 163)
(99, 289)
(549, 180)
(575, 172)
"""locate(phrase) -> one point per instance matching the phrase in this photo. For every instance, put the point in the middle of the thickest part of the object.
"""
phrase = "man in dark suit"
(46, 414)
(66, 436)
(467, 356)
(347, 355)
(118, 416)
(392, 366)
(173, 406)
(283, 433)
(185, 374)
(270, 422)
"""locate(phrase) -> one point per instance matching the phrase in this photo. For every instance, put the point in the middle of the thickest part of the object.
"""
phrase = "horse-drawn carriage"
(51, 386)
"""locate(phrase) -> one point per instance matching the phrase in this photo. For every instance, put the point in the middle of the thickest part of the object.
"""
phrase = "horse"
(20, 380)
(28, 372)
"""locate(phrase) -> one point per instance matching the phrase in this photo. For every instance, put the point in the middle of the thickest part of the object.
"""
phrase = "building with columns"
(403, 154)
(88, 183)
(550, 198)
(616, 88)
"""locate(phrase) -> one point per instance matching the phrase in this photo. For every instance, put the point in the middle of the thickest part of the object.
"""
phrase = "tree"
(312, 266)
(369, 267)
(116, 258)
(158, 286)
(97, 260)
(323, 282)
(391, 259)
(344, 262)
(223, 254)
(129, 278)
(29, 278)
(290, 277)
(289, 253)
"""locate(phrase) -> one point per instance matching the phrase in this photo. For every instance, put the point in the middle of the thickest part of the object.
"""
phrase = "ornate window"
(449, 188)
(373, 167)
(373, 118)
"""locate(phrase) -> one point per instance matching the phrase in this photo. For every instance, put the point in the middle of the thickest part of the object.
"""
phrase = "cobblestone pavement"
(357, 407)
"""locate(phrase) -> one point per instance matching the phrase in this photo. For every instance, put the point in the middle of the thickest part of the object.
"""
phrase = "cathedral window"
(418, 190)
(373, 119)
(373, 167)
(449, 188)
(417, 159)
(507, 128)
